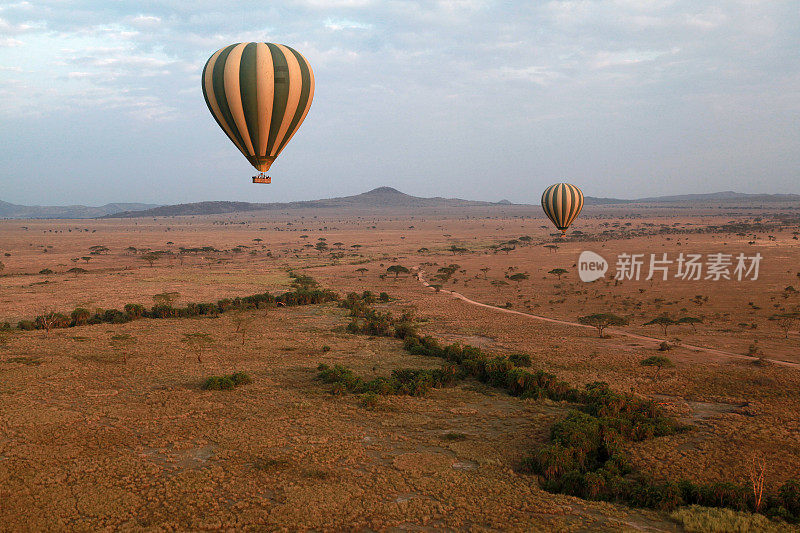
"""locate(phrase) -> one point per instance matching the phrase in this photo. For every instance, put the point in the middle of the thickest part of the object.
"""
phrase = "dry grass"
(98, 433)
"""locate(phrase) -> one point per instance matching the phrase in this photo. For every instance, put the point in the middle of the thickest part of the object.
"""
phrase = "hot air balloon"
(562, 203)
(259, 94)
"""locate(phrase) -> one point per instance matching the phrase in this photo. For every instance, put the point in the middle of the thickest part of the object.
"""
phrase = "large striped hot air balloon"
(259, 94)
(562, 203)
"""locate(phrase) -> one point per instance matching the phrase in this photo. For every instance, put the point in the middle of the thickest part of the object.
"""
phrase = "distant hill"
(722, 197)
(8, 210)
(382, 197)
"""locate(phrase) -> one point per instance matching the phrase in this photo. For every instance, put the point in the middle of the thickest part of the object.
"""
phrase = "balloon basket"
(262, 178)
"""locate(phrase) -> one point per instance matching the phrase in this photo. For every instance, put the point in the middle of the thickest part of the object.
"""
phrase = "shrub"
(115, 316)
(163, 311)
(51, 321)
(226, 382)
(789, 495)
(368, 400)
(134, 310)
(26, 325)
(404, 330)
(384, 297)
(520, 359)
(697, 519)
(80, 316)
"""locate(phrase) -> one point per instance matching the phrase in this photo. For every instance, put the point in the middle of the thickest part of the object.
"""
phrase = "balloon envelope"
(562, 203)
(259, 94)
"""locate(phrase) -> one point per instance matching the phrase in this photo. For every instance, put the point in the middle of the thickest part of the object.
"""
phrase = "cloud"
(345, 24)
(146, 21)
(10, 42)
(516, 89)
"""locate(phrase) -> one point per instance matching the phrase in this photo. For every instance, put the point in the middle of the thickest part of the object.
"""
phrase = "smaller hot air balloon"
(562, 203)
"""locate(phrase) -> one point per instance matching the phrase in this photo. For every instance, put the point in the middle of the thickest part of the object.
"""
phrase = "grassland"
(109, 425)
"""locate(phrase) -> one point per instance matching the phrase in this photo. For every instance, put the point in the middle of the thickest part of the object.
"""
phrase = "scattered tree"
(397, 270)
(361, 271)
(150, 257)
(166, 298)
(691, 320)
(665, 321)
(757, 467)
(558, 272)
(785, 321)
(601, 321)
(197, 343)
(658, 361)
(519, 276)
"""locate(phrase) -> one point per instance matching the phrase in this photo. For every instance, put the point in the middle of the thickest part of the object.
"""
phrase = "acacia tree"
(658, 361)
(519, 276)
(397, 270)
(498, 284)
(166, 298)
(665, 321)
(485, 270)
(691, 320)
(197, 342)
(242, 321)
(785, 321)
(601, 321)
(150, 257)
(558, 272)
(361, 271)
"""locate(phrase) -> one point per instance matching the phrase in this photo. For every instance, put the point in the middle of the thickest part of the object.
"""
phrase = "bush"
(404, 330)
(520, 359)
(789, 495)
(52, 321)
(80, 316)
(697, 519)
(226, 382)
(26, 325)
(134, 310)
(163, 311)
(115, 316)
(368, 400)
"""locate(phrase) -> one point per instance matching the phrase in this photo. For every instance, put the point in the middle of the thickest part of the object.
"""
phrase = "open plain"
(107, 426)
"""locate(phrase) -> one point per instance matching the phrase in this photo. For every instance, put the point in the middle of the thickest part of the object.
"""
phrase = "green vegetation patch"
(226, 382)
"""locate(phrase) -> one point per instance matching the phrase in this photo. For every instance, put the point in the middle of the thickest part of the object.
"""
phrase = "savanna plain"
(140, 390)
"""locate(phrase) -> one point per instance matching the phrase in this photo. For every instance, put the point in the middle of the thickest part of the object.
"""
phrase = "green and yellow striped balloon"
(562, 203)
(259, 94)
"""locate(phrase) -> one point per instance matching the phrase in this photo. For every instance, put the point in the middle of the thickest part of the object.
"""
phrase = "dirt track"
(655, 340)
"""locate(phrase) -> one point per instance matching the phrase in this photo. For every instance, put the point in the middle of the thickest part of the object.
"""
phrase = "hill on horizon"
(8, 210)
(381, 197)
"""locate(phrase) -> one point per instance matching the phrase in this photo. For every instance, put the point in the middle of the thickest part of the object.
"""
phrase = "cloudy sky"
(100, 101)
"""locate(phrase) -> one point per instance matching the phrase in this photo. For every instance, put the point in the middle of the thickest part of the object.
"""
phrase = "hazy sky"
(100, 100)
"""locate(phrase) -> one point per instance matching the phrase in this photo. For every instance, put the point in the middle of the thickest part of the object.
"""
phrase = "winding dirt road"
(636, 336)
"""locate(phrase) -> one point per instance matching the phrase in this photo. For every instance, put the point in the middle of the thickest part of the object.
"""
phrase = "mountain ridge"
(9, 210)
(380, 197)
